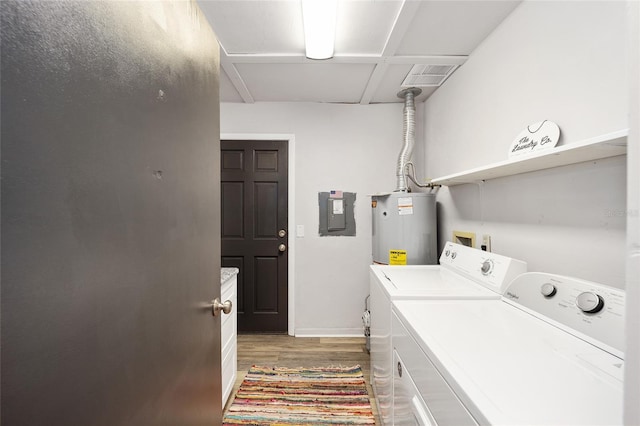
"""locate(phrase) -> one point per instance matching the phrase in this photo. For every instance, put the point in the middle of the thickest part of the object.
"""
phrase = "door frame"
(291, 222)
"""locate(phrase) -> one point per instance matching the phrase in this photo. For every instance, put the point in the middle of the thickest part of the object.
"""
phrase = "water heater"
(404, 228)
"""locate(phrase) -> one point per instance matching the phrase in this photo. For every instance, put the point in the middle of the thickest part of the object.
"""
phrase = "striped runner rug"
(301, 396)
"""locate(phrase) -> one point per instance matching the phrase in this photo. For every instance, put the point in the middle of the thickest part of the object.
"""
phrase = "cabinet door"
(229, 340)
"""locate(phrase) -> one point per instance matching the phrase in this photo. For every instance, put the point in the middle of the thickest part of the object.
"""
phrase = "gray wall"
(570, 69)
(110, 214)
(632, 351)
(334, 146)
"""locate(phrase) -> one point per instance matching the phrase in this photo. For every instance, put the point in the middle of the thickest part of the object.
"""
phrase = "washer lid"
(428, 281)
(509, 367)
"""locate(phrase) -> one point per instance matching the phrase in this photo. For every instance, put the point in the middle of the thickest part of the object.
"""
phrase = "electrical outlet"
(486, 243)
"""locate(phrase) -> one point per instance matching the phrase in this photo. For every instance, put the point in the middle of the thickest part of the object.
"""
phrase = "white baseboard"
(329, 332)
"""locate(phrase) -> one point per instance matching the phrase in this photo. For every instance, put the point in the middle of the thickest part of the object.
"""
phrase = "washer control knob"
(453, 255)
(486, 267)
(548, 290)
(447, 253)
(589, 302)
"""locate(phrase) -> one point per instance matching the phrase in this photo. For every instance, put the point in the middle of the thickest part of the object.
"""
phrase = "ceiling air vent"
(428, 75)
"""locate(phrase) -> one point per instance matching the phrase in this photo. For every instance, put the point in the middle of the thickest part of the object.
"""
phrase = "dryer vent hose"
(409, 136)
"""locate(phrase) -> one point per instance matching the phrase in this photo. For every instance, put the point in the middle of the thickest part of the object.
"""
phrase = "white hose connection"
(409, 136)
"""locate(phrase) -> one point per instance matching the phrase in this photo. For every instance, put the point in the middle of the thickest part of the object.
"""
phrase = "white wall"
(345, 147)
(632, 351)
(561, 61)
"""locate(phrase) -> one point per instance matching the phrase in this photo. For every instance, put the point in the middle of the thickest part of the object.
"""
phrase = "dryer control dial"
(548, 290)
(487, 267)
(589, 302)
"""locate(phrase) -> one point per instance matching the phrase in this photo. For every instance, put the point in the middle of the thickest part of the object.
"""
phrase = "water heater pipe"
(409, 136)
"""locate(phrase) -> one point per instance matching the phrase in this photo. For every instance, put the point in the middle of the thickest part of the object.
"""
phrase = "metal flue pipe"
(409, 136)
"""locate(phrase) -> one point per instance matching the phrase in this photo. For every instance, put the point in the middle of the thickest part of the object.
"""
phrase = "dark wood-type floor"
(287, 351)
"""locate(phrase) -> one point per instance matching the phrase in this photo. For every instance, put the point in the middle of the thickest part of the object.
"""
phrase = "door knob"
(225, 307)
(282, 233)
(282, 247)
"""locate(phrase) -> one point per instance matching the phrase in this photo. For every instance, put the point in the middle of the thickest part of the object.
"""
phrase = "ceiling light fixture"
(319, 17)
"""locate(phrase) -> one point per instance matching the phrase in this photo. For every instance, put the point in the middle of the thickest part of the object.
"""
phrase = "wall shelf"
(604, 146)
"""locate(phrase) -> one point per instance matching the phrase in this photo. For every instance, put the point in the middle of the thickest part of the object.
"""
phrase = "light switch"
(300, 231)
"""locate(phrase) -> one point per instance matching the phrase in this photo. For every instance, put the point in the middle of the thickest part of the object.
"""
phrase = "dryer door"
(408, 406)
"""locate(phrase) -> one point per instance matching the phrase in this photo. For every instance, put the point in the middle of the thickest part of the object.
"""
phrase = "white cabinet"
(229, 331)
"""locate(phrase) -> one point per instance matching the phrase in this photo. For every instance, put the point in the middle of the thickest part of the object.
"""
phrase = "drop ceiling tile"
(453, 27)
(256, 26)
(363, 26)
(306, 82)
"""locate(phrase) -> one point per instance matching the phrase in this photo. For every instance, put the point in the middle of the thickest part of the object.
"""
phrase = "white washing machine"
(549, 352)
(463, 273)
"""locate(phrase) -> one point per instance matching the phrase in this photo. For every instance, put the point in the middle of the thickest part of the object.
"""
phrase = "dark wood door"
(254, 232)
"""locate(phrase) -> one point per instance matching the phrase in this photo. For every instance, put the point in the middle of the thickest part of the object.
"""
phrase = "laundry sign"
(536, 137)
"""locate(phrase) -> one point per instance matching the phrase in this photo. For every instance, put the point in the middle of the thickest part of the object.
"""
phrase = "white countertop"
(227, 273)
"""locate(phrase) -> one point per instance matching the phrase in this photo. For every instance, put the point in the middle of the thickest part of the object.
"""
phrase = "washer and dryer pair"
(476, 340)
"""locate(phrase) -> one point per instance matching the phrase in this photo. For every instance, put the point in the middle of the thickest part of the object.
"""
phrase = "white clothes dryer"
(464, 273)
(549, 352)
